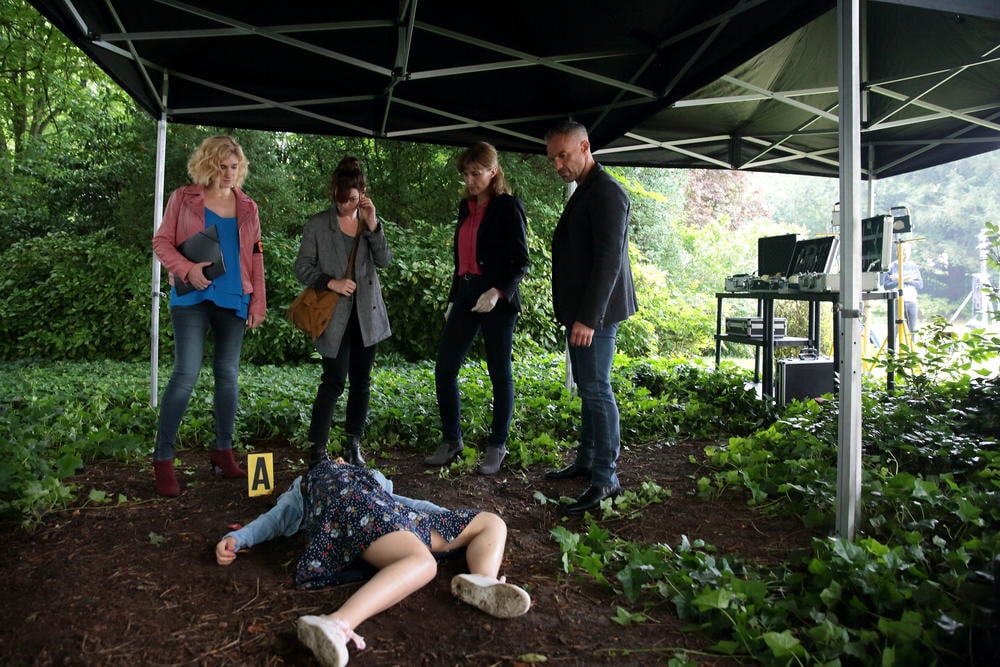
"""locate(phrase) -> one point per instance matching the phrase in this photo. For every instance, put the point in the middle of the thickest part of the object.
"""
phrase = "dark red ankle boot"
(164, 480)
(223, 463)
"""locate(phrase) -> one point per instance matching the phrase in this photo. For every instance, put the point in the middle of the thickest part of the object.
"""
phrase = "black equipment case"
(804, 378)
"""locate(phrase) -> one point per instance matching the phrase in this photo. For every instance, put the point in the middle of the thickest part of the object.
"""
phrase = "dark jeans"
(353, 363)
(459, 332)
(600, 437)
(191, 324)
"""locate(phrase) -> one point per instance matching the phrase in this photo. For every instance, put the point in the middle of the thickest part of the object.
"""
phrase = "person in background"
(348, 513)
(491, 258)
(360, 321)
(592, 292)
(226, 305)
(912, 281)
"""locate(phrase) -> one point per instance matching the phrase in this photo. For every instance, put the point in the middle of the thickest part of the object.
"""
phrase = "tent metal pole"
(850, 304)
(154, 327)
(871, 182)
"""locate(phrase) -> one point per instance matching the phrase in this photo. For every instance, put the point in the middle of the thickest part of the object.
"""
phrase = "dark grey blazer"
(591, 272)
(322, 256)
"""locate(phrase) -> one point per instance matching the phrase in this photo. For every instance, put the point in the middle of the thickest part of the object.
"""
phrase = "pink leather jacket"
(185, 216)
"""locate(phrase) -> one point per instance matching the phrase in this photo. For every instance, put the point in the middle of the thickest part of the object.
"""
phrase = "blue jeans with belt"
(191, 325)
(600, 437)
(459, 333)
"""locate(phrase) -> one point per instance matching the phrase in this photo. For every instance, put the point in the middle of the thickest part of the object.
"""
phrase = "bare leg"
(405, 565)
(484, 540)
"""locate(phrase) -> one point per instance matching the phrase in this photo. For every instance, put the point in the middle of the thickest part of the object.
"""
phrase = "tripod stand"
(903, 334)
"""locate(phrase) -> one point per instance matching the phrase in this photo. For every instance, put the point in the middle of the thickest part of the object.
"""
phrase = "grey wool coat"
(322, 256)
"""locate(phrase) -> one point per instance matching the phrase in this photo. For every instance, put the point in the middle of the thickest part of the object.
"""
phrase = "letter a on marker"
(260, 474)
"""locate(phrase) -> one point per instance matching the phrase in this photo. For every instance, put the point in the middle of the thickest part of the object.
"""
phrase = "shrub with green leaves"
(71, 296)
(57, 416)
(917, 586)
(88, 297)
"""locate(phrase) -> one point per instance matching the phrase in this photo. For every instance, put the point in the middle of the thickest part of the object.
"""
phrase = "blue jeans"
(191, 324)
(459, 332)
(910, 315)
(353, 362)
(600, 437)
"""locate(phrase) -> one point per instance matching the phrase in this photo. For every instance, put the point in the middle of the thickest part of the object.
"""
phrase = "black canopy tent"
(748, 84)
(826, 87)
(929, 94)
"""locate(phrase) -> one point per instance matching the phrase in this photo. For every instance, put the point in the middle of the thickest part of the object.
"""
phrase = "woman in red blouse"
(491, 257)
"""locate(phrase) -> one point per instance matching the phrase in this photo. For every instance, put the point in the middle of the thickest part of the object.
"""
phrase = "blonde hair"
(485, 155)
(203, 166)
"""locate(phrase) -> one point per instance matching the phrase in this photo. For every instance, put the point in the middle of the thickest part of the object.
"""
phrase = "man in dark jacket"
(592, 292)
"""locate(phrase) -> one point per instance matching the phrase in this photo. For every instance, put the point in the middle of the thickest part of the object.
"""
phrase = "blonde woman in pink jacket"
(226, 297)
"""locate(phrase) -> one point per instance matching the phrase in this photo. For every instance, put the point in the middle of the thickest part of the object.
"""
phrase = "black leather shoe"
(572, 470)
(592, 497)
(352, 450)
(317, 454)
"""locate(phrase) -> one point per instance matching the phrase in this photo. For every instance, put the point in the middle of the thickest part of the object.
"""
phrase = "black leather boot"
(352, 450)
(317, 453)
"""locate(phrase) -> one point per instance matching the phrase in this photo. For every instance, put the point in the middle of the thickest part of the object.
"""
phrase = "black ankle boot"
(317, 453)
(352, 450)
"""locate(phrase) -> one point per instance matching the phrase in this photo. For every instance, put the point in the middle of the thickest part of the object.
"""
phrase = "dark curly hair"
(346, 176)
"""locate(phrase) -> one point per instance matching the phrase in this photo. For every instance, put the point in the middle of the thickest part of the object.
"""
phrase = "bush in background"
(69, 296)
(86, 297)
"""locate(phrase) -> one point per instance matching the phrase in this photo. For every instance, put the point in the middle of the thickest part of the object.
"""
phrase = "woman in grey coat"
(360, 321)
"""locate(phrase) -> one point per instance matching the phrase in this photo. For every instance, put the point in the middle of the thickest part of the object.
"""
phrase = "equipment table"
(767, 342)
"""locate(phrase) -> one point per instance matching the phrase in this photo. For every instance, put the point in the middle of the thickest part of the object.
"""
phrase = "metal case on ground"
(804, 378)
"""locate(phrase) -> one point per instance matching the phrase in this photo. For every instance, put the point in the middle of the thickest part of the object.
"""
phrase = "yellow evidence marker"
(260, 474)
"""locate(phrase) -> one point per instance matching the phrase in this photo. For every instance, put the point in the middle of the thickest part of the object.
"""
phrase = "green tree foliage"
(949, 206)
(77, 157)
(801, 204)
(34, 60)
(658, 199)
(62, 162)
(66, 296)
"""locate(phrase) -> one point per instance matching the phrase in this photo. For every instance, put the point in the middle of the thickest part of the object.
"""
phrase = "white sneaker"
(494, 596)
(327, 639)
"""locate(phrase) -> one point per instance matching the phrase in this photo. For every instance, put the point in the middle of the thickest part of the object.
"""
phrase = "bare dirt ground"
(137, 584)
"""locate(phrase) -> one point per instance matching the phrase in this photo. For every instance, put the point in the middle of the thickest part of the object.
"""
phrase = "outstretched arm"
(284, 519)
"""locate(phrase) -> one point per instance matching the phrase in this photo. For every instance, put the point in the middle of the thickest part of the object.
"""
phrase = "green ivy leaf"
(98, 497)
(783, 644)
(718, 598)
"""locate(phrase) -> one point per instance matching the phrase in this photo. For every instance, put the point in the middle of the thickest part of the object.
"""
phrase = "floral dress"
(346, 510)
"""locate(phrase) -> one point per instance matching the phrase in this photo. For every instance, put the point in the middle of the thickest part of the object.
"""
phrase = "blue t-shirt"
(226, 291)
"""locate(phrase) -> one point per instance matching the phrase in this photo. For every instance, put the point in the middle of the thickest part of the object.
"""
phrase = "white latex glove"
(447, 311)
(487, 300)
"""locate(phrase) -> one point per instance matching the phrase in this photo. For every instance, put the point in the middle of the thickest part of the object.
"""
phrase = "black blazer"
(501, 247)
(591, 272)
